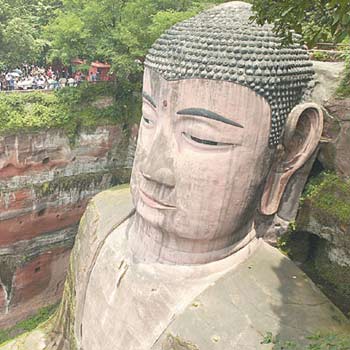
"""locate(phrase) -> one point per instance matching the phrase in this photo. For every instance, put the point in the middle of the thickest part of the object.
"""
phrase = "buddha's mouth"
(153, 203)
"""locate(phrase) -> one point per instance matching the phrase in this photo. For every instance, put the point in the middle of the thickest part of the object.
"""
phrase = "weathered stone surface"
(35, 340)
(103, 102)
(272, 295)
(32, 152)
(326, 213)
(337, 236)
(30, 225)
(327, 79)
(334, 154)
(45, 185)
(35, 284)
(2, 299)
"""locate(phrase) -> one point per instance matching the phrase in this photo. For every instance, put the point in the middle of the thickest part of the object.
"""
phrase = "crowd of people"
(32, 77)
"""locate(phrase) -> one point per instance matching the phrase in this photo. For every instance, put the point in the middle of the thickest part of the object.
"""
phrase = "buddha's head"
(222, 132)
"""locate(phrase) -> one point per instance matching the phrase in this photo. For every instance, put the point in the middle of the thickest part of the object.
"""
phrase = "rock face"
(334, 153)
(327, 79)
(324, 223)
(45, 185)
(325, 212)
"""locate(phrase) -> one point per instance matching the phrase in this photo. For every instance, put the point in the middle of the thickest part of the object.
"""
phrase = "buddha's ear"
(301, 136)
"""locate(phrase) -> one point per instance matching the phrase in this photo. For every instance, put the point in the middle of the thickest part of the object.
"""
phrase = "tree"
(117, 31)
(21, 24)
(316, 19)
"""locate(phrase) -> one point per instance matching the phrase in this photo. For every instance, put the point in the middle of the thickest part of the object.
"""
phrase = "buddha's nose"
(158, 165)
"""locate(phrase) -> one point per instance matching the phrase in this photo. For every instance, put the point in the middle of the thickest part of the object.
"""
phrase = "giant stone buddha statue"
(178, 265)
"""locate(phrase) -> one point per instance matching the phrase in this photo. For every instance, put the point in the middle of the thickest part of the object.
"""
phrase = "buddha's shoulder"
(112, 205)
(104, 213)
(107, 210)
(267, 293)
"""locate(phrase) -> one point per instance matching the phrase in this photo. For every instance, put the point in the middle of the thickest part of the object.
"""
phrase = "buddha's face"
(201, 160)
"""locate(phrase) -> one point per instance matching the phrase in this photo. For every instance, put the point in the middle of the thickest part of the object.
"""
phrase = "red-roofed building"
(100, 70)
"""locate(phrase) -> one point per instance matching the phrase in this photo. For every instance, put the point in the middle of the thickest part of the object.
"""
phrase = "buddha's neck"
(148, 244)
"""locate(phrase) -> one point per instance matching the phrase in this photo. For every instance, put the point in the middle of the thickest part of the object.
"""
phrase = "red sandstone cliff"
(45, 184)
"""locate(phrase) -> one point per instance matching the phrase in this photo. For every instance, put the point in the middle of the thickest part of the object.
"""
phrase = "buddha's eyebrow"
(200, 112)
(149, 99)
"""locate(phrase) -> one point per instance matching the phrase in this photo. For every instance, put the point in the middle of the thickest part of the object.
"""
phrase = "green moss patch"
(28, 324)
(318, 341)
(343, 89)
(333, 278)
(328, 197)
(295, 244)
(69, 108)
(81, 182)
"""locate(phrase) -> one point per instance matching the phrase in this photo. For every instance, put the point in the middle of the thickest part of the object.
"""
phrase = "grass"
(343, 89)
(317, 341)
(27, 325)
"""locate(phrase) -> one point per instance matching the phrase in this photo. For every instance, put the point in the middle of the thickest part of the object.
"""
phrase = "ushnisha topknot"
(224, 44)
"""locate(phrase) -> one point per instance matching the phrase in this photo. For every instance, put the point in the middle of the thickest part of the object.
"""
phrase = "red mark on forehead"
(165, 103)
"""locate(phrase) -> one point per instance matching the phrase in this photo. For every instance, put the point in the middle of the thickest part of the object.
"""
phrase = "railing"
(54, 89)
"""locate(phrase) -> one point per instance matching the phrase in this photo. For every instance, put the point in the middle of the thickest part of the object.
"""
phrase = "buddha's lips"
(153, 203)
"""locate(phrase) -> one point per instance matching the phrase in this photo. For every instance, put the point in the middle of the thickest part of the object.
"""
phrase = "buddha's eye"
(204, 141)
(147, 121)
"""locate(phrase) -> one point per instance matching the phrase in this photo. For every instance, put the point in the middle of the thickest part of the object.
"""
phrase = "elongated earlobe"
(300, 139)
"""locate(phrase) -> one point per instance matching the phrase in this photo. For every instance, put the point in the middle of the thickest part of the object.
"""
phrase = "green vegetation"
(329, 197)
(28, 324)
(336, 278)
(69, 108)
(22, 25)
(116, 31)
(295, 245)
(329, 341)
(317, 341)
(30, 111)
(343, 89)
(81, 182)
(317, 20)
